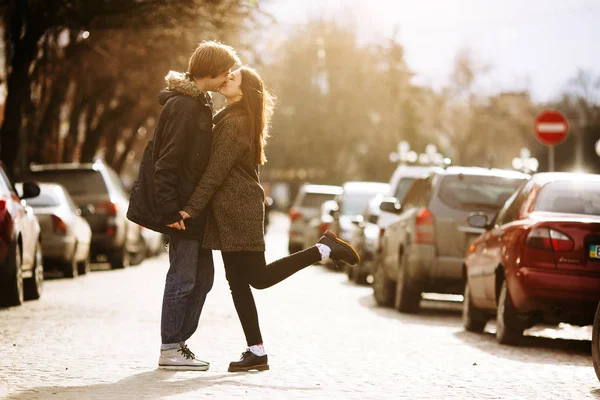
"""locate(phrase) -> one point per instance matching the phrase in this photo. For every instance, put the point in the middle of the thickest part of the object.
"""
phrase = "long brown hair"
(258, 103)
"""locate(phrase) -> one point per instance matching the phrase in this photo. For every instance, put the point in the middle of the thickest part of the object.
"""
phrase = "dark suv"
(423, 250)
(97, 190)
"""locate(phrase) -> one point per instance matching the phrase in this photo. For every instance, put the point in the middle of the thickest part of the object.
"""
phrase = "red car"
(539, 260)
(21, 266)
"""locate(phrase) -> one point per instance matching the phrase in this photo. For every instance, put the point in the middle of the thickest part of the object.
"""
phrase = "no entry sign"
(551, 128)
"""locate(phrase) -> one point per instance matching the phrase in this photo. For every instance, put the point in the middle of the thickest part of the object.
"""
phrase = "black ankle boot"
(248, 362)
(340, 250)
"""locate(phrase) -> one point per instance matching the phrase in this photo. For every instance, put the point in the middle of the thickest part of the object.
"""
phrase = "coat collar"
(182, 83)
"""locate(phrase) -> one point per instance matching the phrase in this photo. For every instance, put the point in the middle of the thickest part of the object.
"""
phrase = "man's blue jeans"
(190, 278)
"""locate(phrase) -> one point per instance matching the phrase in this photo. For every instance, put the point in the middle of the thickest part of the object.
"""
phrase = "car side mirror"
(478, 220)
(391, 205)
(30, 190)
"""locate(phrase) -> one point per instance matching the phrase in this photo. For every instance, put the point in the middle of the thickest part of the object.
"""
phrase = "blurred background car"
(66, 236)
(539, 259)
(307, 206)
(423, 250)
(351, 203)
(317, 226)
(21, 261)
(154, 242)
(97, 190)
(365, 240)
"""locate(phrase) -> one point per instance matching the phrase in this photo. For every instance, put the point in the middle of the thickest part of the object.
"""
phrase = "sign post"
(551, 129)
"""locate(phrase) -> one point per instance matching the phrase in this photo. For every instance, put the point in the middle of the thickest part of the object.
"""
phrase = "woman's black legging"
(249, 268)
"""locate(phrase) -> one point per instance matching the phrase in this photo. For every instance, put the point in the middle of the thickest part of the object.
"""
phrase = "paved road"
(97, 337)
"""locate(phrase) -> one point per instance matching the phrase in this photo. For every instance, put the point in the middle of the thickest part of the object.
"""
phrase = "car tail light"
(323, 226)
(549, 239)
(110, 231)
(58, 225)
(294, 215)
(2, 205)
(106, 207)
(424, 229)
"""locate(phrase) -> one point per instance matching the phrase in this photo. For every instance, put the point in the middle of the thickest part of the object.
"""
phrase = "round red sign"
(551, 128)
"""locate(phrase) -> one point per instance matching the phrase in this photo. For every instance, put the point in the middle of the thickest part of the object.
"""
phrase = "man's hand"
(179, 225)
(185, 215)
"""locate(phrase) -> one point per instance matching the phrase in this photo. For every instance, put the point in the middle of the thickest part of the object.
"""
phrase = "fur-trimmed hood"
(179, 83)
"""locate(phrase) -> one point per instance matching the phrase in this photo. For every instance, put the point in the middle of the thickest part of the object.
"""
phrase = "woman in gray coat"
(231, 190)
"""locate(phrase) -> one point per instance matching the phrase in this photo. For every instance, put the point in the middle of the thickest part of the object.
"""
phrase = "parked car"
(317, 226)
(539, 258)
(66, 236)
(423, 250)
(350, 204)
(99, 193)
(306, 206)
(154, 242)
(365, 240)
(21, 262)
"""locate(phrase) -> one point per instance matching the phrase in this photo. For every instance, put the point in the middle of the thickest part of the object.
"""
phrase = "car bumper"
(534, 289)
(59, 248)
(433, 273)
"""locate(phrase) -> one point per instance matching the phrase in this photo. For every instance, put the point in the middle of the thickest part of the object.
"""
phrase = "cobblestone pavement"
(97, 337)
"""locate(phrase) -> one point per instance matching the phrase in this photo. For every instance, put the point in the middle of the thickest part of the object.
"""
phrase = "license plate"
(595, 251)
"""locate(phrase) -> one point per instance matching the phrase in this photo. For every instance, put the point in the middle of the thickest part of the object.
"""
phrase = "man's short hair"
(211, 59)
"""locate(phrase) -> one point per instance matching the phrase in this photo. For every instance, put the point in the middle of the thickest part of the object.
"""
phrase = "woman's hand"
(185, 215)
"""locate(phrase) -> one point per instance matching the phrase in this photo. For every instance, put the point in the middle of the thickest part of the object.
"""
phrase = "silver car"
(66, 236)
(306, 207)
(424, 249)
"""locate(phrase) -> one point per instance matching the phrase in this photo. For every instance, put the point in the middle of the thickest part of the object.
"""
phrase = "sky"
(536, 45)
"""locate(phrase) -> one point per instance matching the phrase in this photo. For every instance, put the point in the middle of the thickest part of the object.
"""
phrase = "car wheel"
(70, 268)
(474, 319)
(349, 269)
(383, 288)
(407, 299)
(83, 267)
(34, 285)
(120, 259)
(11, 294)
(358, 276)
(596, 342)
(508, 328)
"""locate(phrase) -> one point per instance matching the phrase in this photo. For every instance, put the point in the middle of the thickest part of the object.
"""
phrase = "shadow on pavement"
(148, 385)
(556, 350)
(446, 313)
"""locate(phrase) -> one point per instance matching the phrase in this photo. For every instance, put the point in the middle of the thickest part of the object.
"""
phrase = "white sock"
(324, 250)
(258, 350)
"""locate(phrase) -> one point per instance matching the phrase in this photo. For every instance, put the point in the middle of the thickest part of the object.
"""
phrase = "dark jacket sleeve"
(228, 147)
(167, 167)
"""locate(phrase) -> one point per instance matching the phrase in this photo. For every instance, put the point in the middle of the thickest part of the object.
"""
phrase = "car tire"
(349, 269)
(508, 328)
(33, 286)
(596, 342)
(12, 291)
(358, 276)
(120, 259)
(383, 287)
(71, 268)
(83, 266)
(474, 319)
(406, 299)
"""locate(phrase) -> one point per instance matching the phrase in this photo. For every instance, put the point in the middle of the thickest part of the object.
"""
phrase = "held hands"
(180, 225)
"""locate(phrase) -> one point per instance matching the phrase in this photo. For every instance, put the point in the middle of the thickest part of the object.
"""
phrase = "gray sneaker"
(181, 359)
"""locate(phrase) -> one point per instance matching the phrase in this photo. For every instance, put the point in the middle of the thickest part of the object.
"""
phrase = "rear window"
(402, 189)
(77, 182)
(47, 198)
(315, 200)
(570, 197)
(355, 203)
(473, 192)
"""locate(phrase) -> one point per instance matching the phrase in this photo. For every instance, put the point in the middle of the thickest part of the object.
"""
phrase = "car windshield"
(473, 192)
(77, 182)
(570, 197)
(47, 198)
(402, 189)
(315, 200)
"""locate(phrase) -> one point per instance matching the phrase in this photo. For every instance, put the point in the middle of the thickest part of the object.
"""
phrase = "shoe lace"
(186, 352)
(244, 353)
